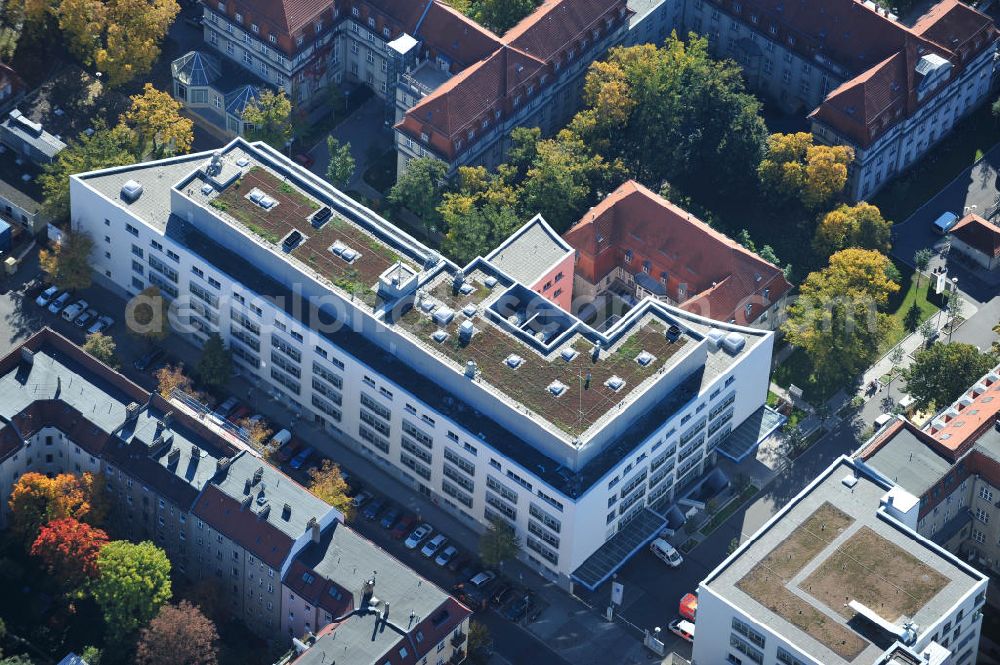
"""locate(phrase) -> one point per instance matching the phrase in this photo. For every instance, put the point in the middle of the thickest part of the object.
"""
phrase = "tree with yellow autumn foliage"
(159, 128)
(37, 499)
(794, 168)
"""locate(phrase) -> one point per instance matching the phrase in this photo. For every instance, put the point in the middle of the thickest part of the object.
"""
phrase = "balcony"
(457, 657)
(458, 639)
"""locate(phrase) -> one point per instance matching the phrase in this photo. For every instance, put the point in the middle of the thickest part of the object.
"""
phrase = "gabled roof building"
(281, 559)
(474, 384)
(635, 243)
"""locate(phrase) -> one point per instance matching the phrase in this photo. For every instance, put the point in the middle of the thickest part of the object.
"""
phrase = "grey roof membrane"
(529, 254)
(909, 462)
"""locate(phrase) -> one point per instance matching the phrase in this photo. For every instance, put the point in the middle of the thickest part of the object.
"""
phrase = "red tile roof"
(528, 53)
(242, 526)
(978, 233)
(720, 275)
(884, 91)
(285, 19)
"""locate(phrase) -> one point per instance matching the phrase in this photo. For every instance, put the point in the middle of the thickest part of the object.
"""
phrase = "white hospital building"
(468, 383)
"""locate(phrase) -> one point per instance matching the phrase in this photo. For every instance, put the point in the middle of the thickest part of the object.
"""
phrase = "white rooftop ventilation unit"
(616, 383)
(568, 353)
(734, 343)
(556, 388)
(131, 191)
(645, 358)
(715, 337)
(514, 361)
(465, 330)
(443, 316)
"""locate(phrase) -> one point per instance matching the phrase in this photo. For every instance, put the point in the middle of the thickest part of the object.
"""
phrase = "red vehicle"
(688, 606)
(304, 159)
(403, 527)
(287, 451)
(239, 414)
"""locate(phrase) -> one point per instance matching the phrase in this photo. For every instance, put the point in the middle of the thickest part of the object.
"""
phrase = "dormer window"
(299, 40)
(646, 265)
(737, 7)
(239, 18)
(318, 25)
(628, 256)
(748, 309)
(496, 115)
(754, 19)
(517, 100)
(472, 134)
(424, 137)
(354, 11)
(486, 123)
(273, 39)
(774, 29)
(386, 33)
(222, 7)
(371, 22)
(767, 294)
(255, 28)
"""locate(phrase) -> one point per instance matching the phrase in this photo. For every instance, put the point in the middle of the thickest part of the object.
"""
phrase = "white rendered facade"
(390, 395)
(733, 627)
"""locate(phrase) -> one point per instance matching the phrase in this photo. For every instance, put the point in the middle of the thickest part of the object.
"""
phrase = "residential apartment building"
(635, 244)
(840, 575)
(468, 383)
(281, 559)
(952, 466)
(888, 90)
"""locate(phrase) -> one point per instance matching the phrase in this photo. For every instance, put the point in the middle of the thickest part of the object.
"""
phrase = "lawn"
(967, 142)
(797, 369)
(904, 299)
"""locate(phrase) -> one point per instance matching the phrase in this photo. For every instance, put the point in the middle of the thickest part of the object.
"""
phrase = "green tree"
(836, 319)
(215, 367)
(146, 315)
(674, 113)
(498, 543)
(67, 265)
(104, 148)
(132, 584)
(860, 225)
(341, 168)
(420, 189)
(480, 643)
(473, 231)
(103, 348)
(896, 358)
(523, 149)
(328, 484)
(500, 15)
(941, 373)
(921, 259)
(271, 117)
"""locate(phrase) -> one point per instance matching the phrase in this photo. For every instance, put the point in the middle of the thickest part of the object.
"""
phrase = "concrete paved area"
(369, 137)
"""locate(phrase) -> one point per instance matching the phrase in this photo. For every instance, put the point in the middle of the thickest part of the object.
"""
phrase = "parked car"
(74, 310)
(683, 629)
(373, 509)
(520, 607)
(417, 536)
(46, 296)
(446, 555)
(360, 499)
(666, 553)
(945, 222)
(502, 594)
(433, 545)
(238, 414)
(304, 159)
(85, 319)
(60, 302)
(390, 517)
(287, 449)
(100, 325)
(226, 408)
(403, 527)
(482, 580)
(148, 360)
(302, 457)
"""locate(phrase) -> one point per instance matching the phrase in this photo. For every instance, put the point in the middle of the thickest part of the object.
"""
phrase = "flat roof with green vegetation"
(292, 212)
(834, 544)
(586, 397)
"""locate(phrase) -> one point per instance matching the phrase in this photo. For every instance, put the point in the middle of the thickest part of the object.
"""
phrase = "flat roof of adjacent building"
(831, 545)
(906, 459)
(530, 252)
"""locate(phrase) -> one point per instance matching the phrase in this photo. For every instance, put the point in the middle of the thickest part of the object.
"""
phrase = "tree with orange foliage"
(68, 548)
(37, 499)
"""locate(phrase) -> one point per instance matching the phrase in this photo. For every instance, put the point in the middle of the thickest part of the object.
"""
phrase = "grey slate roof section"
(861, 503)
(278, 490)
(53, 376)
(344, 557)
(29, 138)
(989, 444)
(529, 253)
(910, 463)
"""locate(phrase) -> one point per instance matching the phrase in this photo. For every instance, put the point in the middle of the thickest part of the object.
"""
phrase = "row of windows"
(456, 493)
(458, 477)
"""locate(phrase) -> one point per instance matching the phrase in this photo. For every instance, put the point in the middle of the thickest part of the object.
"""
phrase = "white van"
(281, 438)
(944, 223)
(883, 420)
(666, 553)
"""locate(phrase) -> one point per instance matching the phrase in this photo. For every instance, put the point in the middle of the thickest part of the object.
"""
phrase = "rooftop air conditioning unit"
(131, 191)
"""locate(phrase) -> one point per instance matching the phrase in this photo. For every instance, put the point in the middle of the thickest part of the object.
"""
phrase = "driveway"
(368, 135)
(977, 189)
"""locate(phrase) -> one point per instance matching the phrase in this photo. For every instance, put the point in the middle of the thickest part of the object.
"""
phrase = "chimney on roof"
(167, 418)
(131, 412)
(222, 466)
(264, 512)
(27, 356)
(258, 474)
(385, 613)
(174, 456)
(286, 512)
(247, 500)
(457, 281)
(313, 525)
(195, 452)
(368, 591)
